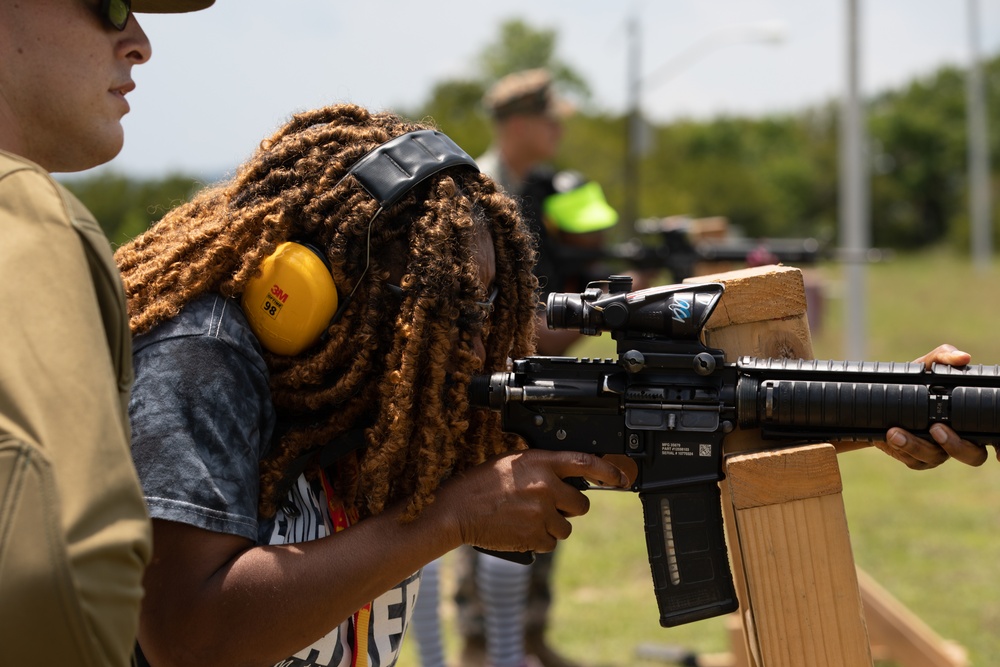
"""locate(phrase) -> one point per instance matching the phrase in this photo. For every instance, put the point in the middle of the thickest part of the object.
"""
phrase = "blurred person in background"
(571, 218)
(74, 533)
(503, 607)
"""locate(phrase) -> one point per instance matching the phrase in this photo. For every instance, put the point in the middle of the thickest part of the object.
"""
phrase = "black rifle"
(666, 243)
(668, 401)
(675, 252)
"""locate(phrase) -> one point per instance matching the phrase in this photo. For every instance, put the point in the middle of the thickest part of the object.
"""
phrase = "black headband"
(392, 169)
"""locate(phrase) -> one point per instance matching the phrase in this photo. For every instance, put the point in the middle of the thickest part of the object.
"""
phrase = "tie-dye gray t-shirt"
(201, 420)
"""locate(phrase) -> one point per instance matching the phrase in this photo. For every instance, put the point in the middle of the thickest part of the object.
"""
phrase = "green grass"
(916, 302)
(930, 538)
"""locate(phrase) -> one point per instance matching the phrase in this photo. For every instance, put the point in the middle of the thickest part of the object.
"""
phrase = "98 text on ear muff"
(293, 300)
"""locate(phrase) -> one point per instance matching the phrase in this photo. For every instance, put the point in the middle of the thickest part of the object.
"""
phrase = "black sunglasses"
(117, 12)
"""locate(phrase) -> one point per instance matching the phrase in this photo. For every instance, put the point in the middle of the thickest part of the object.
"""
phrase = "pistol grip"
(528, 557)
(687, 554)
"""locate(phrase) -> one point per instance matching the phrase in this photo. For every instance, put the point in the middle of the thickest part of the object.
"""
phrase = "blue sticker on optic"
(681, 309)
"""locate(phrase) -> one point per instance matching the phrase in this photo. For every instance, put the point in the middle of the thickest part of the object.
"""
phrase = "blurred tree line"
(771, 176)
(125, 206)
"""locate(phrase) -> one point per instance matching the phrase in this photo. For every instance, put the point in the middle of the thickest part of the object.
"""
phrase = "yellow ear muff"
(290, 304)
(294, 299)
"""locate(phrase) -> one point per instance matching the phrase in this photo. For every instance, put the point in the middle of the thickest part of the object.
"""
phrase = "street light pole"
(981, 232)
(765, 31)
(633, 121)
(854, 220)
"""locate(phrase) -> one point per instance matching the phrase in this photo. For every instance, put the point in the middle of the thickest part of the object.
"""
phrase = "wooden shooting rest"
(803, 603)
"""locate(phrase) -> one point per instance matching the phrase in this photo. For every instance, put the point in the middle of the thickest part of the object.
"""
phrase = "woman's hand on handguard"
(519, 501)
(920, 454)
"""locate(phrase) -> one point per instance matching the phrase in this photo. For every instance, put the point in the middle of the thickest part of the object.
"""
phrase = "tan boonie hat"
(526, 93)
(169, 6)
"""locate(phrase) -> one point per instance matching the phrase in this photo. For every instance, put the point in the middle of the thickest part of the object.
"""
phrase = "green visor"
(580, 210)
(169, 6)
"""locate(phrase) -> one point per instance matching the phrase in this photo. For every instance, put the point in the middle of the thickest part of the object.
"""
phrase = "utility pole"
(855, 236)
(633, 121)
(772, 32)
(981, 226)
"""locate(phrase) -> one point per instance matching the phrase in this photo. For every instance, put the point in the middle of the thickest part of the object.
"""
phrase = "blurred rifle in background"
(688, 247)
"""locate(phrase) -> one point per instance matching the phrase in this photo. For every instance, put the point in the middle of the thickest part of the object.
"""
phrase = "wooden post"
(802, 584)
(793, 566)
(802, 600)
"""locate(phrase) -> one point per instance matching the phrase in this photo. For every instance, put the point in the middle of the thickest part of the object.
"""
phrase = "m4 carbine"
(667, 402)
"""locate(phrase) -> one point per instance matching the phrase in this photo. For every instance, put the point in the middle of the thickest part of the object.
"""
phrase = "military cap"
(529, 92)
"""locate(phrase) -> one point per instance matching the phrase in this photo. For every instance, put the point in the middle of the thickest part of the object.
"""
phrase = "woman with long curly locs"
(288, 191)
(251, 559)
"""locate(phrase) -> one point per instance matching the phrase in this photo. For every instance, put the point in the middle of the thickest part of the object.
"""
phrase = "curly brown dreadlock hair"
(401, 366)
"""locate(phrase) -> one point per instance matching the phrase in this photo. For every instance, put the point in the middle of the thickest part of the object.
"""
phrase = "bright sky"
(222, 79)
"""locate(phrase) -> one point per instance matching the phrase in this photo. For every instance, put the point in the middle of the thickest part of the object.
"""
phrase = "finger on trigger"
(598, 471)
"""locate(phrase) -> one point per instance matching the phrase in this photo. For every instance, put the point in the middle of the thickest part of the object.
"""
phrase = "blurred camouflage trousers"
(470, 606)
